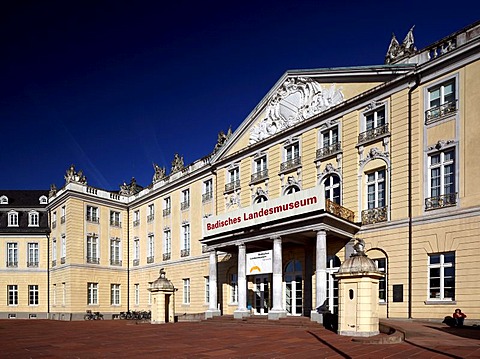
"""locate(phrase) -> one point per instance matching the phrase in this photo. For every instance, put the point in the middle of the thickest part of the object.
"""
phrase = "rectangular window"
(375, 119)
(12, 294)
(33, 295)
(441, 172)
(115, 219)
(136, 218)
(54, 219)
(115, 294)
(92, 249)
(33, 219)
(207, 289)
(374, 124)
(64, 213)
(233, 288)
(136, 251)
(233, 178)
(92, 214)
(13, 219)
(92, 298)
(137, 294)
(32, 255)
(150, 248)
(292, 151)
(207, 190)
(64, 293)
(167, 244)
(381, 264)
(167, 206)
(260, 171)
(63, 247)
(54, 294)
(441, 276)
(151, 212)
(376, 189)
(185, 240)
(12, 254)
(185, 199)
(115, 257)
(54, 249)
(291, 156)
(442, 100)
(186, 291)
(329, 137)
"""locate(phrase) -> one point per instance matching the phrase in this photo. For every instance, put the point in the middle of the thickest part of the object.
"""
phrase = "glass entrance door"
(333, 264)
(294, 288)
(262, 294)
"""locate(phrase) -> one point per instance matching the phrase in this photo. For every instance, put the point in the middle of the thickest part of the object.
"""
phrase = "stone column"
(320, 275)
(242, 310)
(277, 310)
(213, 310)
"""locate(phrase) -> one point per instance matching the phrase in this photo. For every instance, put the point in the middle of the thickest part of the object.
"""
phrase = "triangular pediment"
(300, 95)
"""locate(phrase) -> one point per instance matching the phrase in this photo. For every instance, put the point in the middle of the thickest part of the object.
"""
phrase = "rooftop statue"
(397, 52)
(222, 138)
(159, 173)
(73, 176)
(177, 163)
(53, 190)
(131, 188)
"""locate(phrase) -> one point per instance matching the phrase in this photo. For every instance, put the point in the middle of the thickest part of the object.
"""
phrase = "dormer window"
(33, 219)
(12, 219)
(3, 200)
(43, 200)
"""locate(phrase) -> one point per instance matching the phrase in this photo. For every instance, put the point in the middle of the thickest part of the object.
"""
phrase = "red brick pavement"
(217, 339)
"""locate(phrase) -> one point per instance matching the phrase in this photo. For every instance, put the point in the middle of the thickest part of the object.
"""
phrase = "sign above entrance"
(259, 262)
(260, 213)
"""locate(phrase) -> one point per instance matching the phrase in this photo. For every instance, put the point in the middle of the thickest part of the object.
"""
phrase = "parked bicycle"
(93, 315)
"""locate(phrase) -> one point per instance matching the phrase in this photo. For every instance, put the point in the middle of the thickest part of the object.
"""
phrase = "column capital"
(320, 231)
(276, 237)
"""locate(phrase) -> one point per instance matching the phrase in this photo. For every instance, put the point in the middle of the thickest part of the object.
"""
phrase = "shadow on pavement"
(464, 332)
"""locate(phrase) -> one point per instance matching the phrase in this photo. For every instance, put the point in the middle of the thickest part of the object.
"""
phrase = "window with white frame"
(375, 118)
(12, 219)
(3, 200)
(185, 199)
(92, 295)
(185, 240)
(376, 188)
(63, 247)
(92, 249)
(92, 214)
(115, 256)
(374, 124)
(115, 219)
(441, 276)
(136, 250)
(233, 178)
(12, 254)
(331, 186)
(136, 218)
(33, 294)
(12, 294)
(260, 171)
(64, 293)
(150, 248)
(54, 219)
(151, 212)
(233, 288)
(33, 219)
(186, 291)
(54, 294)
(54, 250)
(442, 100)
(64, 214)
(292, 151)
(329, 137)
(115, 294)
(207, 289)
(167, 206)
(136, 293)
(43, 200)
(167, 244)
(441, 180)
(381, 264)
(32, 255)
(207, 190)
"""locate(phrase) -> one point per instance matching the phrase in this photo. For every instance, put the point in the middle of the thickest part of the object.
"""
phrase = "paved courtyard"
(218, 339)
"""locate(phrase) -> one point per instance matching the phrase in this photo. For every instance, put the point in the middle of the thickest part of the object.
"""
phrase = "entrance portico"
(299, 244)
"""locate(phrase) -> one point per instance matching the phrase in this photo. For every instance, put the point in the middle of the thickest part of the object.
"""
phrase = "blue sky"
(113, 86)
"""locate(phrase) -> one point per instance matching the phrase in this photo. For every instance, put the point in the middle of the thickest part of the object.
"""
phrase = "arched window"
(292, 189)
(331, 185)
(260, 199)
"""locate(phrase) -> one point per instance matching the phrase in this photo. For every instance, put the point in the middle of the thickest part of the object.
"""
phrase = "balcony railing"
(373, 133)
(437, 113)
(232, 185)
(62, 219)
(150, 217)
(185, 205)
(32, 264)
(115, 262)
(12, 264)
(374, 215)
(167, 212)
(150, 259)
(259, 176)
(54, 224)
(184, 252)
(291, 164)
(136, 262)
(62, 260)
(93, 260)
(167, 256)
(114, 223)
(339, 211)
(329, 150)
(446, 200)
(54, 263)
(136, 223)
(93, 219)
(207, 196)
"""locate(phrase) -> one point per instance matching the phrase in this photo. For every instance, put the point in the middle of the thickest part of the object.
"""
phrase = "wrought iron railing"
(136, 223)
(232, 185)
(115, 262)
(329, 150)
(150, 259)
(184, 252)
(12, 264)
(446, 200)
(291, 164)
(167, 211)
(54, 263)
(259, 176)
(93, 260)
(136, 262)
(32, 264)
(114, 223)
(54, 224)
(339, 210)
(91, 218)
(184, 205)
(167, 256)
(374, 215)
(207, 196)
(373, 133)
(62, 219)
(62, 260)
(436, 113)
(150, 217)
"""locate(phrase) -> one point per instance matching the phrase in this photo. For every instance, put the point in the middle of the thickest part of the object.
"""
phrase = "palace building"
(261, 225)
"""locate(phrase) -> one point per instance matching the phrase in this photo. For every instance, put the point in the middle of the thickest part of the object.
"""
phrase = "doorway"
(262, 295)
(294, 288)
